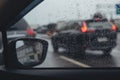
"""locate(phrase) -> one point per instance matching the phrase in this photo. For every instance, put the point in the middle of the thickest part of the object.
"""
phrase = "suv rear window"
(68, 26)
(99, 25)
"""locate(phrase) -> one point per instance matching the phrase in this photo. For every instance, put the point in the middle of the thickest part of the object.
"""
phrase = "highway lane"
(91, 59)
(53, 60)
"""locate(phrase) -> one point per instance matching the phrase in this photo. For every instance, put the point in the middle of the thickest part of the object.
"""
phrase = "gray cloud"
(56, 10)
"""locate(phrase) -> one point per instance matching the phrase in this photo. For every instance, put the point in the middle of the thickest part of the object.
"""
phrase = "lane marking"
(75, 62)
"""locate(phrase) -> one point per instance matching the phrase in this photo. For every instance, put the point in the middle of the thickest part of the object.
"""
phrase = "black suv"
(90, 34)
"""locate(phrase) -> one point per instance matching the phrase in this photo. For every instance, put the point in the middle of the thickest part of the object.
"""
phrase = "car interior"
(74, 49)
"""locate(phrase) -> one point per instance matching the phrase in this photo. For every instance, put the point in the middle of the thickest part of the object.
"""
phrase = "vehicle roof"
(20, 25)
(91, 20)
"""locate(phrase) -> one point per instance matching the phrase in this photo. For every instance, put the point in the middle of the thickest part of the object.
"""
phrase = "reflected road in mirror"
(29, 52)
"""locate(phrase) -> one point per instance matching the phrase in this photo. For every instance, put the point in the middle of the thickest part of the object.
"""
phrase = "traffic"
(96, 34)
(77, 37)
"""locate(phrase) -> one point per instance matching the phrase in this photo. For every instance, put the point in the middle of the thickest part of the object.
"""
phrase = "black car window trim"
(25, 11)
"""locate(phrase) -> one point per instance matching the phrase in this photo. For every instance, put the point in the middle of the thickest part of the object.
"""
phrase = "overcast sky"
(58, 10)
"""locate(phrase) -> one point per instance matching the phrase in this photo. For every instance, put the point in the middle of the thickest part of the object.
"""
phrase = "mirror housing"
(13, 60)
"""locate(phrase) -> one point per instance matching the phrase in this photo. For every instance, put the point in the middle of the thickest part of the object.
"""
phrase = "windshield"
(60, 22)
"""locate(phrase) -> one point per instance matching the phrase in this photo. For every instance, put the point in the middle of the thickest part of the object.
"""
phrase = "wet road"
(53, 59)
(91, 59)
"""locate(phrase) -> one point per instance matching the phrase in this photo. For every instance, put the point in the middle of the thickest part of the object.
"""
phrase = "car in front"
(93, 34)
(42, 30)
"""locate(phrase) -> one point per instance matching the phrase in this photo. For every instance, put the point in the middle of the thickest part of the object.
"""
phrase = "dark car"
(91, 34)
(42, 30)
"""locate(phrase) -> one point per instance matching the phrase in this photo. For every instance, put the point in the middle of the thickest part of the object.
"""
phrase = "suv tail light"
(114, 28)
(84, 27)
(30, 31)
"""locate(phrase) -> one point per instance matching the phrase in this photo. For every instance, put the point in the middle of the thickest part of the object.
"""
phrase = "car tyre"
(81, 53)
(55, 47)
(107, 52)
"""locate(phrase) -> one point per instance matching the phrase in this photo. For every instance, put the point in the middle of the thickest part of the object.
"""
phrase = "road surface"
(91, 59)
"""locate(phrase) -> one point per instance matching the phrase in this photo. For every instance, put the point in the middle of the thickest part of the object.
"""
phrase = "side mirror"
(26, 52)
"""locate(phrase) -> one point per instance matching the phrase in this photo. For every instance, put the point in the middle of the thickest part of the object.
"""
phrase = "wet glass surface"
(81, 33)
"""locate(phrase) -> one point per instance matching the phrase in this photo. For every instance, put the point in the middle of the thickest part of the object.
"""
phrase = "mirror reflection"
(29, 52)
